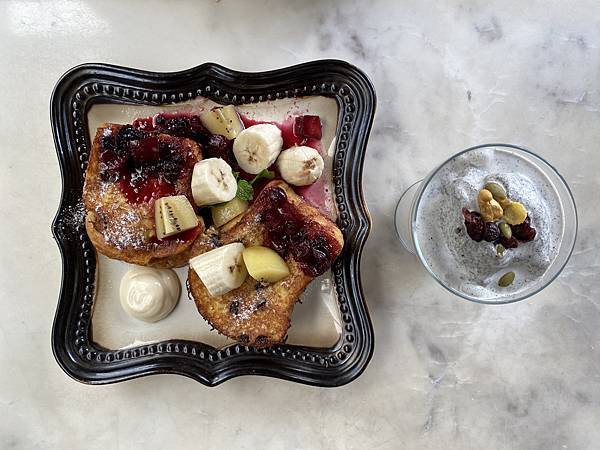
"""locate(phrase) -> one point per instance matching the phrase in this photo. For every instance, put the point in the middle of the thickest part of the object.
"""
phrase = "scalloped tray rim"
(87, 84)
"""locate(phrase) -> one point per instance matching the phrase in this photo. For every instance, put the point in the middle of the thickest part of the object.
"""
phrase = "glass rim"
(425, 182)
(406, 191)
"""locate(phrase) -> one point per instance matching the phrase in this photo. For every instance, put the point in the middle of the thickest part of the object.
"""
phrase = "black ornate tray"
(72, 341)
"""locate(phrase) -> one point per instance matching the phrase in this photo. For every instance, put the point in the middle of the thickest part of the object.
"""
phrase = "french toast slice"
(128, 170)
(255, 314)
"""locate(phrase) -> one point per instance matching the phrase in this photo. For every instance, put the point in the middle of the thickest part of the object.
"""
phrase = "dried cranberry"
(474, 224)
(297, 235)
(524, 232)
(491, 232)
(508, 242)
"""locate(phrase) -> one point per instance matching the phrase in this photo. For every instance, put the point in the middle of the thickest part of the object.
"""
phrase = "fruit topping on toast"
(128, 171)
(286, 244)
(148, 191)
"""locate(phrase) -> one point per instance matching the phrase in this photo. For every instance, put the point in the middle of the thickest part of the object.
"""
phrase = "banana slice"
(300, 166)
(213, 182)
(257, 147)
(224, 121)
(222, 269)
(173, 215)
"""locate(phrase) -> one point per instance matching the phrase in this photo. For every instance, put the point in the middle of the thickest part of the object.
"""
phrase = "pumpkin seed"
(500, 250)
(506, 279)
(496, 189)
(506, 230)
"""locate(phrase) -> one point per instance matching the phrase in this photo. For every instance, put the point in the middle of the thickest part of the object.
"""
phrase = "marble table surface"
(445, 373)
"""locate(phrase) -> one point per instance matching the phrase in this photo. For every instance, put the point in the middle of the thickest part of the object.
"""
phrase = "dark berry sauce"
(189, 126)
(290, 138)
(184, 236)
(144, 166)
(290, 234)
(298, 130)
(179, 124)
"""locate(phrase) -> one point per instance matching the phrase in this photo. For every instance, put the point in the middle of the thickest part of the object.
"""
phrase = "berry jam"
(290, 138)
(184, 236)
(145, 166)
(298, 130)
(290, 234)
(190, 126)
(179, 124)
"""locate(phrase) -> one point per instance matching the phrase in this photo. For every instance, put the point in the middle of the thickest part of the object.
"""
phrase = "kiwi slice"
(174, 215)
(225, 212)
(224, 121)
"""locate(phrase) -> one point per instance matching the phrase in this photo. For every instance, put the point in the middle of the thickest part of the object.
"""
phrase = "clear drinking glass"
(410, 202)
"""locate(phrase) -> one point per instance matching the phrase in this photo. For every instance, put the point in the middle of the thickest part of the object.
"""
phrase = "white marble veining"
(446, 373)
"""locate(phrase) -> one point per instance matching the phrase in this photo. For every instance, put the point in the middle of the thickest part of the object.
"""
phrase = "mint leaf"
(267, 174)
(244, 190)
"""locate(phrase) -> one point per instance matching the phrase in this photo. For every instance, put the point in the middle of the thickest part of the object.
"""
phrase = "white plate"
(315, 322)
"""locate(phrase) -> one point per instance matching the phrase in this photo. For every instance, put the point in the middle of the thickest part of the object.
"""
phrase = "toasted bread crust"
(125, 231)
(252, 314)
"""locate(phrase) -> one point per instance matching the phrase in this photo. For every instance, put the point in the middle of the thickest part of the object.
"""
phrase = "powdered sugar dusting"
(126, 236)
(127, 225)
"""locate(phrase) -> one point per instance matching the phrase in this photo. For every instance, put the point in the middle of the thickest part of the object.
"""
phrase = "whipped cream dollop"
(149, 294)
(473, 267)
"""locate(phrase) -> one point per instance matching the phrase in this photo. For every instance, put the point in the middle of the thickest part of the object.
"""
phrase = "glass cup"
(407, 210)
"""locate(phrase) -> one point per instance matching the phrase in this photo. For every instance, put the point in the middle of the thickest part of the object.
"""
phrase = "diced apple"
(264, 264)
